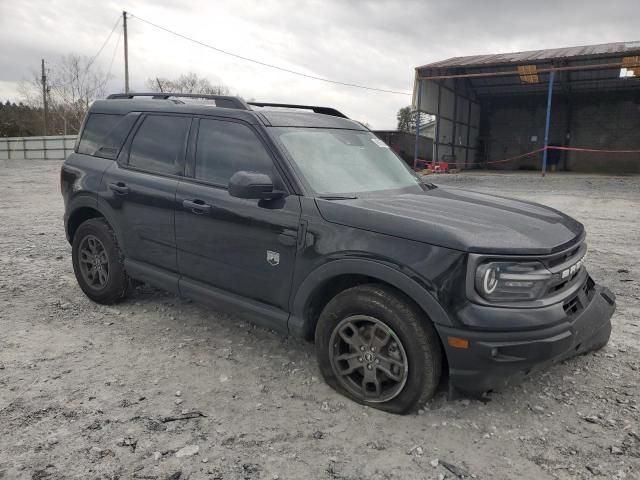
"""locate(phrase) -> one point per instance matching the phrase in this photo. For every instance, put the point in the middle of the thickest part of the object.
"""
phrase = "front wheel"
(378, 348)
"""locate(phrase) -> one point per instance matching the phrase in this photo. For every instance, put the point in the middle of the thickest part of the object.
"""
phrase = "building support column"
(415, 152)
(547, 122)
(436, 143)
(455, 118)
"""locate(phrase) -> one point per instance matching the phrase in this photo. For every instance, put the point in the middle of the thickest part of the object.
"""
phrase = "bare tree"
(74, 82)
(187, 83)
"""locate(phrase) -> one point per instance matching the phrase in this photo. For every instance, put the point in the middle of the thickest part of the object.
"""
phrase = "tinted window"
(224, 148)
(97, 127)
(159, 143)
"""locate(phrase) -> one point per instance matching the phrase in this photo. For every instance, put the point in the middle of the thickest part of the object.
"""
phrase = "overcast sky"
(375, 43)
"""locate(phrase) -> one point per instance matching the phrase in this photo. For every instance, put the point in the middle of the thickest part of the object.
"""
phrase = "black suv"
(305, 221)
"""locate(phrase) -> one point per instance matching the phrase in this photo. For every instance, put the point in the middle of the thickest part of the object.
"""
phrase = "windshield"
(342, 162)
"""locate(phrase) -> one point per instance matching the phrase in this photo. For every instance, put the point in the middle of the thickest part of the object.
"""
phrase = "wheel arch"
(79, 216)
(83, 209)
(331, 278)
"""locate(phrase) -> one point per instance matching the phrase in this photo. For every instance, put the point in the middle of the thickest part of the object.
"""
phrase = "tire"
(406, 359)
(99, 269)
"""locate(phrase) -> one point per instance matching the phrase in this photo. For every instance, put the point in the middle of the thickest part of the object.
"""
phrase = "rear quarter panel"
(80, 179)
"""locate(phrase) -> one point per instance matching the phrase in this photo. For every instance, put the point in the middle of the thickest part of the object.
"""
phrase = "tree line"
(73, 83)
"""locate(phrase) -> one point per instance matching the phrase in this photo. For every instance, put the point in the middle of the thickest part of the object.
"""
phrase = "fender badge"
(273, 258)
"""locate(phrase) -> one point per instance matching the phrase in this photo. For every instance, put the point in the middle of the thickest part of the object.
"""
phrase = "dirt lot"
(87, 391)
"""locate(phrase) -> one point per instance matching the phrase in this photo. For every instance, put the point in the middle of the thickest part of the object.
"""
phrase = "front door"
(243, 247)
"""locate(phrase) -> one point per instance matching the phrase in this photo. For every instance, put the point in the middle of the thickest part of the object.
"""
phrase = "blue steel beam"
(552, 76)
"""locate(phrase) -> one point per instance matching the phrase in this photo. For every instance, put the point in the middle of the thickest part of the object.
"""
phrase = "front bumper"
(497, 358)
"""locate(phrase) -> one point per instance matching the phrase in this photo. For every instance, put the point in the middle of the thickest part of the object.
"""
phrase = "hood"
(459, 219)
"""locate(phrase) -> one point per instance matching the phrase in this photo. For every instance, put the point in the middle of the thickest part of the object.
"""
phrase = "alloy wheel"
(368, 358)
(94, 262)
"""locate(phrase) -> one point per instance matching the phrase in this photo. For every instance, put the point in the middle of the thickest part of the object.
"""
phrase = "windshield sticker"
(379, 142)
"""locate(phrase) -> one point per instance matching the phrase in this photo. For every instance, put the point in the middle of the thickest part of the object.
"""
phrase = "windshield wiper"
(338, 197)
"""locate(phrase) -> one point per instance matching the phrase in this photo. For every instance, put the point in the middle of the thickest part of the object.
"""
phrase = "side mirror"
(253, 185)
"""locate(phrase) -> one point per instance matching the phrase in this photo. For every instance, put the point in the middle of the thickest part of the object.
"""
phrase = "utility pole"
(44, 100)
(159, 85)
(126, 53)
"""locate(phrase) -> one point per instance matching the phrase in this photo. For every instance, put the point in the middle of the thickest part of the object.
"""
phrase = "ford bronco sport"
(305, 221)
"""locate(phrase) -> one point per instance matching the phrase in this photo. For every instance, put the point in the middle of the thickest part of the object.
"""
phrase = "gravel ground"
(93, 392)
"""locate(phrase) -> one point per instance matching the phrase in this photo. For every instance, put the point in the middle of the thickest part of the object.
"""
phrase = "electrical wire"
(59, 87)
(113, 57)
(93, 59)
(264, 64)
(108, 75)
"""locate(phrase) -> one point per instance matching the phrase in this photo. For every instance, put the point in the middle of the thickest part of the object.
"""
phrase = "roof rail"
(224, 101)
(324, 110)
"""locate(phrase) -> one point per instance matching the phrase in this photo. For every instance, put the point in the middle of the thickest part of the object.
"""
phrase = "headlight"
(512, 281)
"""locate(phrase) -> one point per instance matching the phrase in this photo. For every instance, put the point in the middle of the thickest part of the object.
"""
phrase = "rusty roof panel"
(531, 56)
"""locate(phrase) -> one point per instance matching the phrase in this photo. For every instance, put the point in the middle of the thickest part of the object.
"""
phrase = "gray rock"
(417, 450)
(188, 451)
(595, 469)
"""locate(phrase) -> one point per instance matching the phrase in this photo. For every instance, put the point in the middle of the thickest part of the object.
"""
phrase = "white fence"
(37, 148)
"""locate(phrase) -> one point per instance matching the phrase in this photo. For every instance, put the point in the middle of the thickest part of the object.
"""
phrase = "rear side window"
(159, 144)
(224, 148)
(95, 131)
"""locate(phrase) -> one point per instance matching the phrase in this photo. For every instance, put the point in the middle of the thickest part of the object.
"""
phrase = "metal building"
(574, 109)
(403, 144)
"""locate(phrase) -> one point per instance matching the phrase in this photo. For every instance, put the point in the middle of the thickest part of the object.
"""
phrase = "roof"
(586, 68)
(616, 49)
(268, 116)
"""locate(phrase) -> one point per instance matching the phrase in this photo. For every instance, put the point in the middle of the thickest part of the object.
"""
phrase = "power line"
(113, 57)
(93, 59)
(293, 72)
(106, 78)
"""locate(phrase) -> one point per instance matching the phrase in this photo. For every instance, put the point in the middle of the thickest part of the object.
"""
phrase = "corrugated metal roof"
(533, 56)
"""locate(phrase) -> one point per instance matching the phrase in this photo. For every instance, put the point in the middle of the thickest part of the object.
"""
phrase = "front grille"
(581, 299)
(561, 263)
(563, 283)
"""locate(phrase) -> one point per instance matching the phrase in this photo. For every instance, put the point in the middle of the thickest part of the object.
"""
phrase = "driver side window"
(224, 148)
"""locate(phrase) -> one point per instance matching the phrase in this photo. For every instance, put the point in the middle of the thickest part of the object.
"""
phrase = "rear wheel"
(98, 262)
(377, 348)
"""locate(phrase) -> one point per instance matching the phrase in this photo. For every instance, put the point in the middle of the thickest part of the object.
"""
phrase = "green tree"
(406, 119)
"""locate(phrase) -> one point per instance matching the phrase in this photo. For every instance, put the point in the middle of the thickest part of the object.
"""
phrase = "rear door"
(240, 246)
(139, 189)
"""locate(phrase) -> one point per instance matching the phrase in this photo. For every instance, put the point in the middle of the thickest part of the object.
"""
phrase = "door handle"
(120, 188)
(196, 206)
